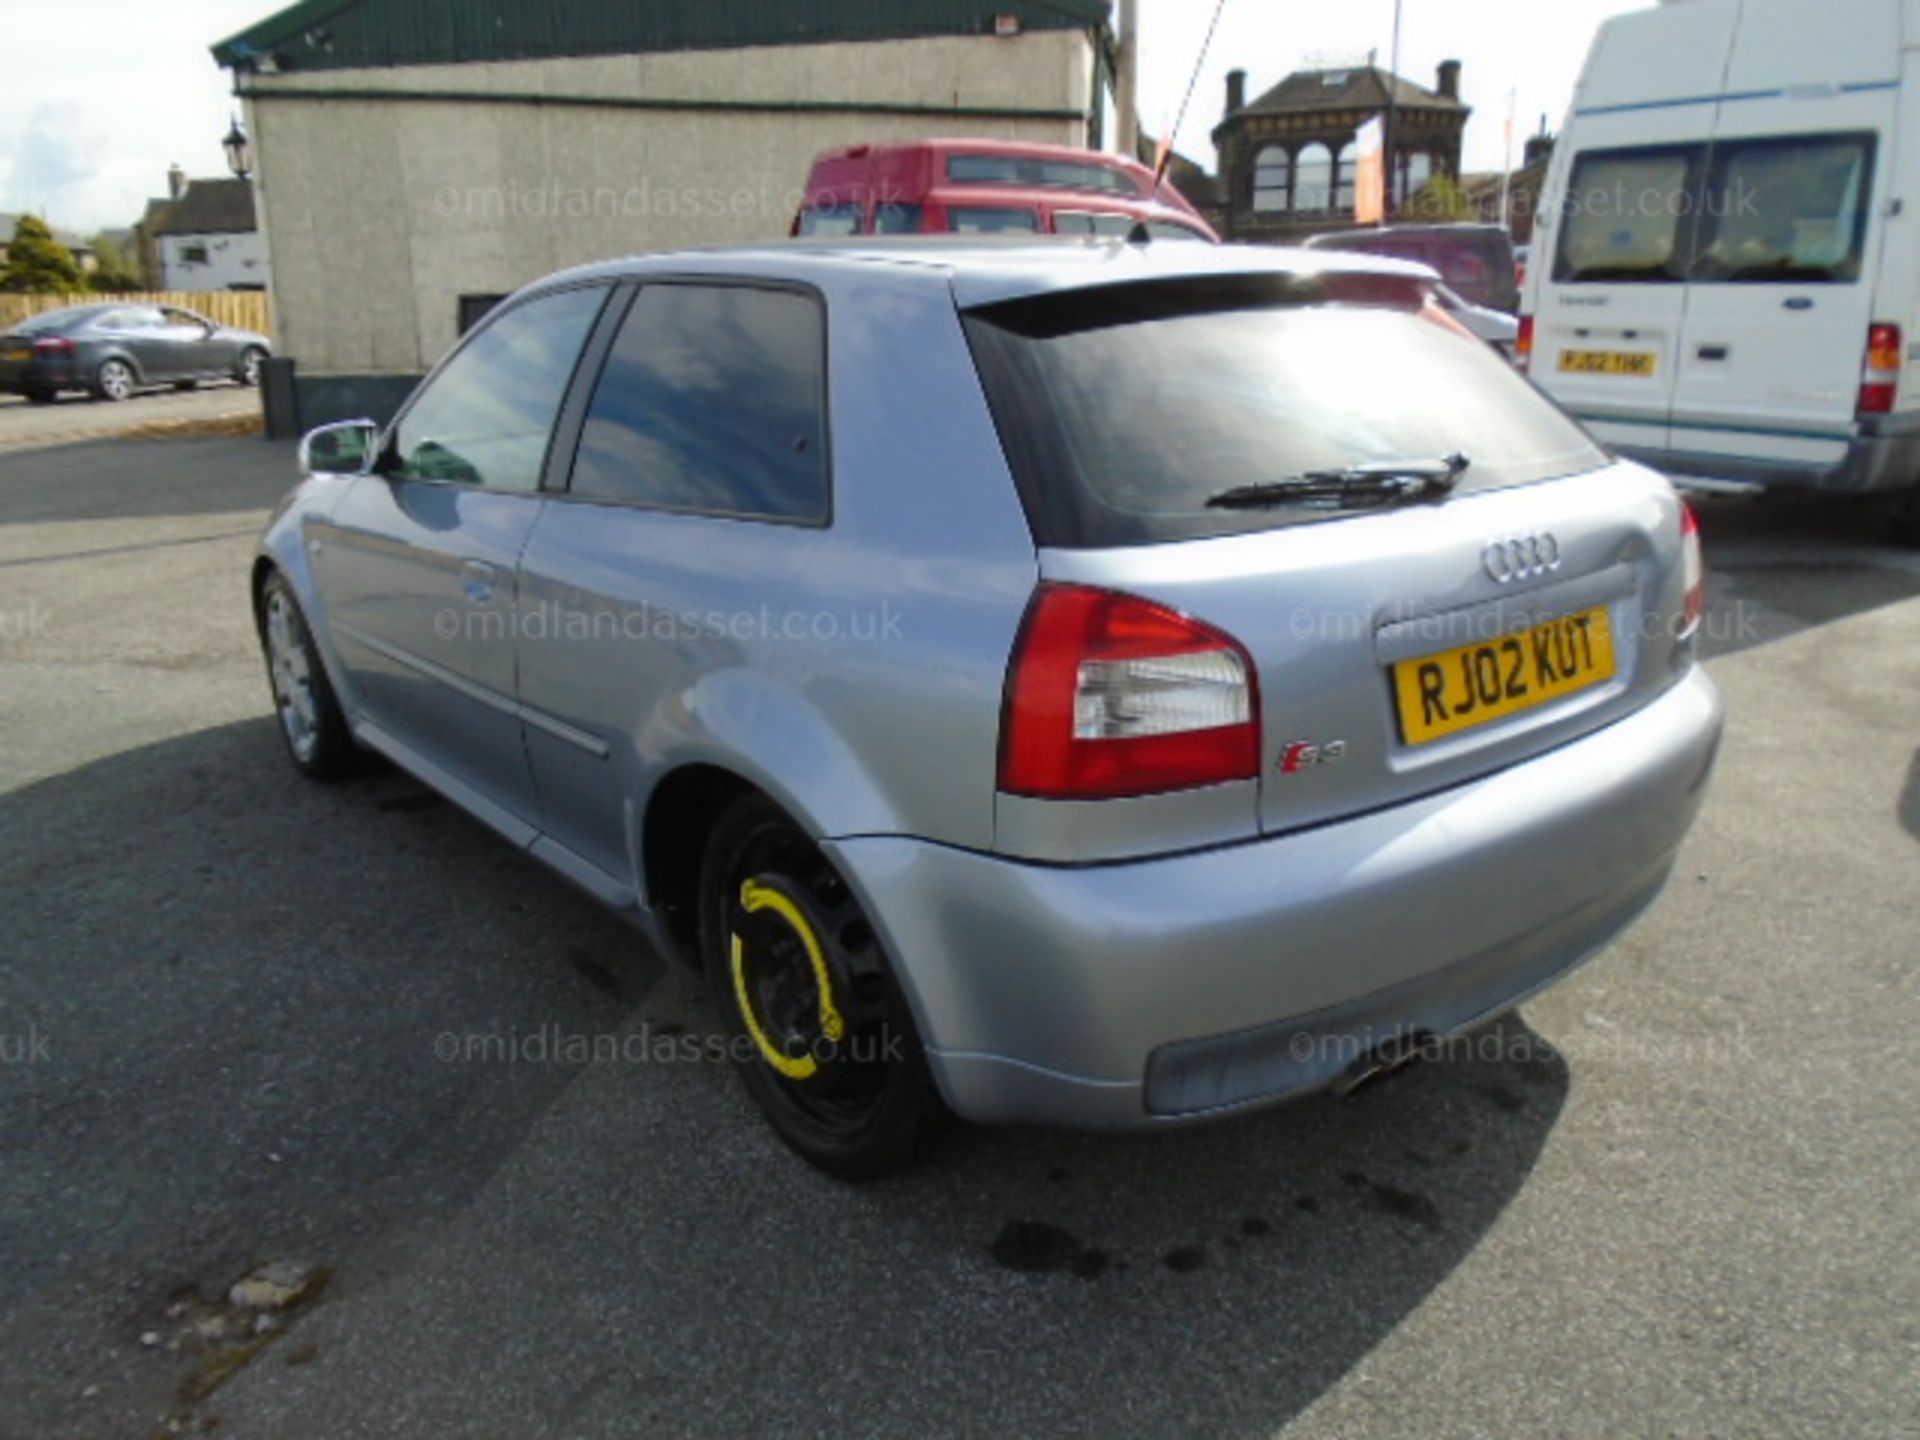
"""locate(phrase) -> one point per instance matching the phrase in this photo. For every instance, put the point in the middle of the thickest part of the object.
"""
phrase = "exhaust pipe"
(1388, 1057)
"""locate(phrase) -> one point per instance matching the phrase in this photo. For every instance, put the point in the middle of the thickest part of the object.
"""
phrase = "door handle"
(1798, 302)
(1712, 352)
(476, 579)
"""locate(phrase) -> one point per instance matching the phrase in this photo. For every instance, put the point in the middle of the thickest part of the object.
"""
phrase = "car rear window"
(1794, 209)
(1122, 409)
(1629, 215)
(51, 321)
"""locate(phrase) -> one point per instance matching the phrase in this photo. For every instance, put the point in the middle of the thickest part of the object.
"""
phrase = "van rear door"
(1611, 300)
(1782, 290)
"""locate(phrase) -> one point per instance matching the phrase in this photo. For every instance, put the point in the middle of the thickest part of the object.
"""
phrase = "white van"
(1727, 264)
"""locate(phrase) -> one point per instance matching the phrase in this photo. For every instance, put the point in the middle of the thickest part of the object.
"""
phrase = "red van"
(930, 187)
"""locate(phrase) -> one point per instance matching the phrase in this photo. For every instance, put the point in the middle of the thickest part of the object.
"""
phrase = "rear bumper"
(1152, 992)
(21, 377)
(1884, 455)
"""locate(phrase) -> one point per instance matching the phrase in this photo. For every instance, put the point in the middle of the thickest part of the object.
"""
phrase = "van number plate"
(1609, 362)
(1491, 679)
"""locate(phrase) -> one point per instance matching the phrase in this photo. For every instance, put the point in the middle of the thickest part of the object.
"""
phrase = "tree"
(1439, 201)
(115, 274)
(38, 264)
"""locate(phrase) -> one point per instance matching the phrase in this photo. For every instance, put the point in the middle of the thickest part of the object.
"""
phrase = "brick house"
(1288, 159)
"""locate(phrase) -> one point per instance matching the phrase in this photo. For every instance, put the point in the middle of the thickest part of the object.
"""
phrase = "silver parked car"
(1086, 683)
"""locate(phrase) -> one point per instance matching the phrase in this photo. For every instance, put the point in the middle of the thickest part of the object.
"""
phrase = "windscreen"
(1123, 410)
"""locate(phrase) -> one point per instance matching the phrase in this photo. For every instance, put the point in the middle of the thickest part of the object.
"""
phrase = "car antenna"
(1166, 145)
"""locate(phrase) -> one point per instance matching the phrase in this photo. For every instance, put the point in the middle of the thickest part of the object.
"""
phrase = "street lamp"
(239, 151)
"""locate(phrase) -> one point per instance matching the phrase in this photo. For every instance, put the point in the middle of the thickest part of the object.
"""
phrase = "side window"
(713, 399)
(898, 217)
(1168, 230)
(841, 219)
(485, 418)
(990, 219)
(1088, 222)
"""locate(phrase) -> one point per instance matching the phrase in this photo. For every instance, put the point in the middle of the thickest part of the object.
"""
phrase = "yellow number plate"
(1609, 362)
(1483, 682)
(20, 354)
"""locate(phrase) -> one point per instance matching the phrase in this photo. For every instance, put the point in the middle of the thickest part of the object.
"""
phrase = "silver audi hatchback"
(1088, 683)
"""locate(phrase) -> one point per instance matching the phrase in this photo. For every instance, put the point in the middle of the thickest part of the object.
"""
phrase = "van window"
(1778, 208)
(1028, 170)
(830, 220)
(1628, 215)
(1123, 408)
(713, 400)
(897, 217)
(1088, 222)
(990, 219)
(1787, 210)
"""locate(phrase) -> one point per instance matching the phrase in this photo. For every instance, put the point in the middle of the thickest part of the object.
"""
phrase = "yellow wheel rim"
(755, 897)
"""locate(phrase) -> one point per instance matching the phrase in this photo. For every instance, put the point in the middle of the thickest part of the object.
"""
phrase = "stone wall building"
(1288, 160)
(417, 158)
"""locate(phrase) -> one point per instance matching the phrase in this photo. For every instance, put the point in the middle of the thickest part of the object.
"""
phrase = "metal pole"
(1506, 170)
(1388, 158)
(1126, 88)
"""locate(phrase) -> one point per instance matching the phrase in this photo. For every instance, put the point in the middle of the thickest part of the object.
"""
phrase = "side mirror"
(347, 447)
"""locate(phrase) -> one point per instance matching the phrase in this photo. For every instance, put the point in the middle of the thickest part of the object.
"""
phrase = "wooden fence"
(243, 309)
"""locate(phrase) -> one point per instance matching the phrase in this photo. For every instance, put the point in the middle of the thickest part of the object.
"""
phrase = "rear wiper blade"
(1379, 482)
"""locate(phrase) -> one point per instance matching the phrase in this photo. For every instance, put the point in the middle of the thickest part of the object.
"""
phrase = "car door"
(1613, 298)
(417, 562)
(199, 355)
(699, 485)
(175, 344)
(141, 331)
(1780, 304)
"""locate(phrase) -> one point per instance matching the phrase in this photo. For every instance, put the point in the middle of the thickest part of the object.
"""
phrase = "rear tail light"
(53, 345)
(1109, 695)
(1880, 379)
(1694, 570)
(1523, 343)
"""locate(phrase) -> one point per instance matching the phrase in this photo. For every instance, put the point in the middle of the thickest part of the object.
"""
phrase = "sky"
(101, 96)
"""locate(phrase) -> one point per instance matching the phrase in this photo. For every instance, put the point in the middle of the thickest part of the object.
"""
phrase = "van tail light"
(53, 345)
(1693, 568)
(1880, 379)
(1523, 343)
(1109, 695)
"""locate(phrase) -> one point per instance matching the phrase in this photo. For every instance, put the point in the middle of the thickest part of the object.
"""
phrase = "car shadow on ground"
(242, 978)
(1788, 563)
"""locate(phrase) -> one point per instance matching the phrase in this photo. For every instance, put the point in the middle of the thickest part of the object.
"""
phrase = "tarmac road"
(246, 1019)
(73, 417)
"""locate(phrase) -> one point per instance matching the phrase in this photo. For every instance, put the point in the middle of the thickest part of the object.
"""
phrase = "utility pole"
(1387, 137)
(1126, 84)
